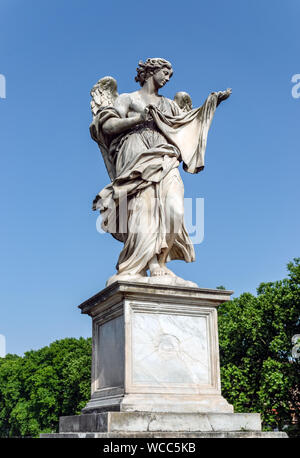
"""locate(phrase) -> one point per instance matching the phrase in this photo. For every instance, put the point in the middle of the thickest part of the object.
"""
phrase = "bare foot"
(168, 271)
(157, 271)
(123, 277)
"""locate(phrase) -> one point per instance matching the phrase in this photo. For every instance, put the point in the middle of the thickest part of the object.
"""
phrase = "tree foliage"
(35, 390)
(258, 372)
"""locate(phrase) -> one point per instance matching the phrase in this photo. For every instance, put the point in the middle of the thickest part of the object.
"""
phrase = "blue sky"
(51, 54)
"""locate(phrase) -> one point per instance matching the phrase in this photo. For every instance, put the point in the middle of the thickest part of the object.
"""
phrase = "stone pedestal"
(155, 349)
(155, 367)
(162, 425)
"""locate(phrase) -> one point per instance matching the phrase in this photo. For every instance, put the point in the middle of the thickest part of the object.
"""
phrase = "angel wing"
(103, 94)
(184, 101)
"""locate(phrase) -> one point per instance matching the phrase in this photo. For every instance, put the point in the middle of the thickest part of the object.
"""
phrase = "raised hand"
(223, 95)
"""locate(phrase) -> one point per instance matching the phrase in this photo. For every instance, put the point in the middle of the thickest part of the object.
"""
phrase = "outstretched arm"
(223, 95)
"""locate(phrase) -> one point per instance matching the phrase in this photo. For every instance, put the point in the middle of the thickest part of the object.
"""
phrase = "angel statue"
(143, 137)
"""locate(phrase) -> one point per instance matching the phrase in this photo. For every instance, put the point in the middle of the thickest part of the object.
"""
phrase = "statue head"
(154, 66)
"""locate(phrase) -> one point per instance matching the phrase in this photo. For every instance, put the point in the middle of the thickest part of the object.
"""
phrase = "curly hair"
(149, 67)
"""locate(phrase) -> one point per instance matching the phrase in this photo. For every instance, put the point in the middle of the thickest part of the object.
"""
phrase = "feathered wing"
(184, 101)
(104, 94)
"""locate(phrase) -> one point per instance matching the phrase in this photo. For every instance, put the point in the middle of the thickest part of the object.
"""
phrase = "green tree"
(258, 373)
(35, 390)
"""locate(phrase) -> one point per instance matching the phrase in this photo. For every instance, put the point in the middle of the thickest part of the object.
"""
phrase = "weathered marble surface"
(169, 349)
(160, 347)
(111, 350)
(173, 435)
(162, 425)
(160, 422)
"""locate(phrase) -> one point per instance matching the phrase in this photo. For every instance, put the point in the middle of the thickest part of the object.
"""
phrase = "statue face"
(162, 76)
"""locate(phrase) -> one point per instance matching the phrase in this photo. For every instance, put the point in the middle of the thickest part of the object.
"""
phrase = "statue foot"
(158, 271)
(158, 276)
(168, 271)
(124, 277)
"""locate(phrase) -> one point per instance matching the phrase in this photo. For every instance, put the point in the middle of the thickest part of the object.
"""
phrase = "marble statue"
(143, 137)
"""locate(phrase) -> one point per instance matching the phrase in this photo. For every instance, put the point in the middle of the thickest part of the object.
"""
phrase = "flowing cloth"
(143, 165)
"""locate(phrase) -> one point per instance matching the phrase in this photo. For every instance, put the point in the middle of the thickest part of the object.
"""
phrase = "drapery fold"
(143, 166)
(188, 132)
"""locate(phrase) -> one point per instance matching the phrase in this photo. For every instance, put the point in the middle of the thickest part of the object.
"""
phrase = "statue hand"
(223, 95)
(145, 115)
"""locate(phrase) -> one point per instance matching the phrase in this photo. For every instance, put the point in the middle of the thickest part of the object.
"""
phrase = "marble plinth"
(155, 349)
(155, 367)
(113, 422)
(168, 435)
(162, 425)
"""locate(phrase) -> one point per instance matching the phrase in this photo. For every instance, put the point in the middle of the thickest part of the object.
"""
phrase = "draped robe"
(142, 164)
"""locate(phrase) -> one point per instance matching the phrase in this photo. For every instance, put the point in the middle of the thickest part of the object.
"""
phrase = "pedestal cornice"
(120, 290)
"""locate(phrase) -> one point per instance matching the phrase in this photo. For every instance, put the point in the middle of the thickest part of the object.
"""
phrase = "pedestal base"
(155, 367)
(161, 425)
(184, 435)
(155, 349)
(112, 422)
(159, 403)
